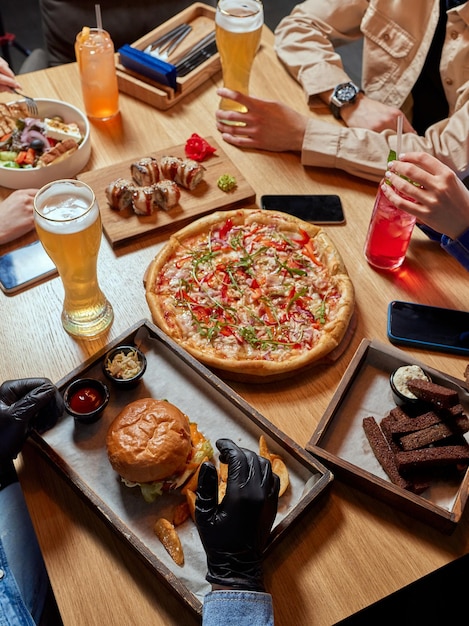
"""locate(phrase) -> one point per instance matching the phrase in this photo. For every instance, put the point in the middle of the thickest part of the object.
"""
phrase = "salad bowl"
(35, 177)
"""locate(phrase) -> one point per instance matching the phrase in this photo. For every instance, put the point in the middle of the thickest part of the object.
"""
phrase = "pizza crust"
(169, 318)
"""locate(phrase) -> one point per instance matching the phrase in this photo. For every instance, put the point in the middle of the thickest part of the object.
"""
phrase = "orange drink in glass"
(94, 51)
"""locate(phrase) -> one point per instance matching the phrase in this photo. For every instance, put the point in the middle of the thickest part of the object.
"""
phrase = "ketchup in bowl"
(85, 399)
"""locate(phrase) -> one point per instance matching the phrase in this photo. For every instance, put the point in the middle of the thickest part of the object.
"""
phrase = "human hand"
(373, 115)
(267, 125)
(26, 404)
(17, 214)
(235, 532)
(7, 77)
(439, 198)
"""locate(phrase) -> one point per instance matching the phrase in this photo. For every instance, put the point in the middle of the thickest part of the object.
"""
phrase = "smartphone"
(428, 327)
(24, 267)
(319, 209)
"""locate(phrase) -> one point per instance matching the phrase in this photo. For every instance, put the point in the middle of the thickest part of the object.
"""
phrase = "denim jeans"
(23, 576)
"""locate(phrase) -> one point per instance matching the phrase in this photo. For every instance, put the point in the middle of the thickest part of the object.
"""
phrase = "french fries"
(190, 500)
(166, 531)
(181, 513)
(193, 481)
(278, 465)
(169, 537)
(222, 480)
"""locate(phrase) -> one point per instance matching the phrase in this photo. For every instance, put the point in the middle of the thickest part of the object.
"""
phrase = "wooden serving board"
(121, 227)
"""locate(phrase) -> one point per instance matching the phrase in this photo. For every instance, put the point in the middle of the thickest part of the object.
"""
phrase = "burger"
(152, 444)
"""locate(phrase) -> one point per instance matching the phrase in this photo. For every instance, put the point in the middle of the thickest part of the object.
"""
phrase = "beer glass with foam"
(238, 25)
(68, 223)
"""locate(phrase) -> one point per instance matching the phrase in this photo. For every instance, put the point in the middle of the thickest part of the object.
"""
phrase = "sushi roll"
(119, 194)
(167, 194)
(146, 171)
(169, 167)
(189, 174)
(144, 200)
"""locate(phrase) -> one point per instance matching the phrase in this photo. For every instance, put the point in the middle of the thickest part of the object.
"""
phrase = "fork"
(30, 103)
(163, 47)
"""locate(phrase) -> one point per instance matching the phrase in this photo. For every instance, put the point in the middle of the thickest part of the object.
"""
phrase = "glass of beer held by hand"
(238, 26)
(68, 223)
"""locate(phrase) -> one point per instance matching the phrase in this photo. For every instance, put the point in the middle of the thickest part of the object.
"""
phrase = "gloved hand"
(235, 532)
(26, 404)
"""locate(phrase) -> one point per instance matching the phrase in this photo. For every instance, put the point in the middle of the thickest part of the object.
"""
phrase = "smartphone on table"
(428, 327)
(315, 208)
(24, 267)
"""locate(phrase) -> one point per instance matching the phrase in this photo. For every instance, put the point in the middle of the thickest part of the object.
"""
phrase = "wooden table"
(349, 550)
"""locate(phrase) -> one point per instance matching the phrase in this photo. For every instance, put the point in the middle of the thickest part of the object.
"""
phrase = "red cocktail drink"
(388, 234)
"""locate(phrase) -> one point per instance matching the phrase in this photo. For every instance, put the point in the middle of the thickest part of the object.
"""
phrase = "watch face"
(346, 92)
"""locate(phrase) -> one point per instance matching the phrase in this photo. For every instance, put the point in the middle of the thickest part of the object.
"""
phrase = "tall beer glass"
(238, 26)
(68, 223)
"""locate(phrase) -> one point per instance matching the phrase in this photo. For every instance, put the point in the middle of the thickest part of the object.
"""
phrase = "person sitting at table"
(234, 534)
(438, 199)
(414, 59)
(16, 211)
(26, 596)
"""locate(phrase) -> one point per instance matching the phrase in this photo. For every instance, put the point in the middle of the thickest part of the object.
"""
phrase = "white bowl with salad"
(54, 144)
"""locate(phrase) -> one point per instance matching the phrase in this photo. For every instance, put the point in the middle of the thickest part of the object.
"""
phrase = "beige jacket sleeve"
(305, 41)
(364, 153)
(395, 46)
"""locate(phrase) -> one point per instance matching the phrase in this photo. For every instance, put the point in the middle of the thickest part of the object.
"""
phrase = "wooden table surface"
(349, 550)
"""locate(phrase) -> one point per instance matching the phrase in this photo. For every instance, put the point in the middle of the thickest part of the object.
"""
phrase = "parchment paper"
(370, 395)
(82, 447)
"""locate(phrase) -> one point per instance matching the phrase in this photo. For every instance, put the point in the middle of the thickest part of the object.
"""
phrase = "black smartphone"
(24, 267)
(319, 209)
(428, 327)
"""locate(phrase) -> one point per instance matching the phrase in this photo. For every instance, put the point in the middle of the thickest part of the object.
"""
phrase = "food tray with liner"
(202, 19)
(121, 227)
(78, 452)
(340, 441)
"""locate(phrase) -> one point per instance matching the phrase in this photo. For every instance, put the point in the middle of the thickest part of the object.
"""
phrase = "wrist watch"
(343, 94)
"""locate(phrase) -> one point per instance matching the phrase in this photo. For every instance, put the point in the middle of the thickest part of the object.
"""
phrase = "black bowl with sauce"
(85, 399)
(399, 389)
(124, 366)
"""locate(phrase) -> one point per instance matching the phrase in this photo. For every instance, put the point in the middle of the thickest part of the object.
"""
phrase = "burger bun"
(148, 441)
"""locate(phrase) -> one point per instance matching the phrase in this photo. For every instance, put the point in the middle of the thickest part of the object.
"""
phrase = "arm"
(234, 534)
(25, 404)
(7, 77)
(439, 200)
(17, 214)
(305, 41)
(272, 126)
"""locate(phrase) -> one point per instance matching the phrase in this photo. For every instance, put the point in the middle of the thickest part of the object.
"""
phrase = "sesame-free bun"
(148, 441)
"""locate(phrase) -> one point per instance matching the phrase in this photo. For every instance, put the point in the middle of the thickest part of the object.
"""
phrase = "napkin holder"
(148, 66)
(154, 85)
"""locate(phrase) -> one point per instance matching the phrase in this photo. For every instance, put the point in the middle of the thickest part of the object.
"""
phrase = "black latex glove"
(26, 404)
(235, 532)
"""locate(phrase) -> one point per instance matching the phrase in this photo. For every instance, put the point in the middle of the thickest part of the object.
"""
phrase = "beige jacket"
(396, 37)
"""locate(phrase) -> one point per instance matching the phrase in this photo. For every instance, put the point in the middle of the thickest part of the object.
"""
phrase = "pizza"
(252, 291)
